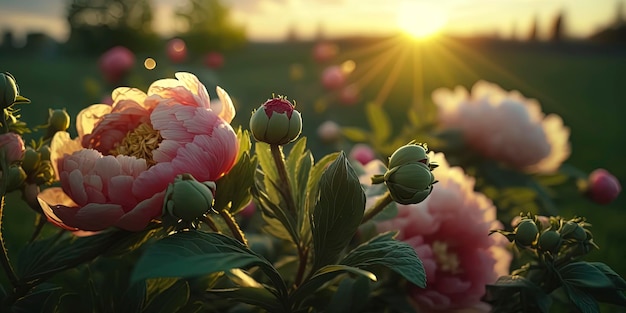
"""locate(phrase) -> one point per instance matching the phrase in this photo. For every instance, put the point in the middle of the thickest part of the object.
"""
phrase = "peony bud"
(58, 120)
(16, 177)
(362, 153)
(603, 187)
(176, 50)
(13, 147)
(8, 90)
(408, 154)
(276, 122)
(324, 52)
(333, 77)
(550, 240)
(329, 132)
(214, 60)
(115, 63)
(526, 233)
(30, 161)
(44, 153)
(409, 183)
(573, 230)
(188, 199)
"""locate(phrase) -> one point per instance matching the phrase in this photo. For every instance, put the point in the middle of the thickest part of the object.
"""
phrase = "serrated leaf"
(582, 300)
(195, 253)
(384, 250)
(338, 211)
(584, 275)
(323, 276)
(233, 190)
(312, 190)
(266, 161)
(356, 134)
(260, 297)
(245, 145)
(379, 121)
(280, 223)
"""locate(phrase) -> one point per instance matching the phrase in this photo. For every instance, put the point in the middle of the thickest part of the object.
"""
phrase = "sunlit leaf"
(233, 190)
(379, 121)
(356, 134)
(260, 297)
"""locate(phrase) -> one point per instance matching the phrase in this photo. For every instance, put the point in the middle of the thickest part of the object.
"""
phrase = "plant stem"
(279, 159)
(233, 226)
(303, 255)
(382, 202)
(207, 220)
(4, 257)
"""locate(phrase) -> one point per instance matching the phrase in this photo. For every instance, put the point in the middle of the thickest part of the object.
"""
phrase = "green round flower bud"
(58, 120)
(526, 233)
(409, 183)
(44, 153)
(571, 230)
(8, 90)
(549, 240)
(276, 122)
(188, 199)
(409, 154)
(30, 161)
(16, 177)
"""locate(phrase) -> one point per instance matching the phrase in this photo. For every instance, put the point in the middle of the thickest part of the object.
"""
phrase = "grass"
(581, 83)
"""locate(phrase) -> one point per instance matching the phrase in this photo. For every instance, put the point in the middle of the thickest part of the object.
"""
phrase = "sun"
(420, 20)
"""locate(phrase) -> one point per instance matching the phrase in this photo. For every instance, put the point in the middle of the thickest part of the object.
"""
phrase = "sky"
(272, 19)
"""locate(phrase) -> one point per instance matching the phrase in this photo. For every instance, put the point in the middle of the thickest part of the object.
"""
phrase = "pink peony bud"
(349, 95)
(333, 77)
(13, 147)
(214, 60)
(115, 63)
(602, 187)
(329, 132)
(176, 50)
(362, 153)
(324, 52)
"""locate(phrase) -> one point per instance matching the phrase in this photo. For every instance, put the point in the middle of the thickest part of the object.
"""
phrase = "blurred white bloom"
(505, 126)
(329, 132)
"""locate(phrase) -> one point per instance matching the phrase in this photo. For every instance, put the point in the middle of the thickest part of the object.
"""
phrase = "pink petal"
(119, 191)
(154, 180)
(60, 146)
(139, 217)
(87, 118)
(93, 216)
(227, 111)
(52, 217)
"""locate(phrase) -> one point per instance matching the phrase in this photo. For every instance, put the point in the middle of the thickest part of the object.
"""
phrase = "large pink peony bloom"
(505, 126)
(449, 231)
(116, 172)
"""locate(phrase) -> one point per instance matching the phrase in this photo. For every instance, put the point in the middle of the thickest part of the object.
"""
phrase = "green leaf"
(266, 161)
(170, 300)
(233, 190)
(195, 253)
(338, 211)
(350, 296)
(279, 222)
(245, 145)
(43, 298)
(582, 300)
(384, 250)
(323, 276)
(356, 134)
(584, 275)
(618, 281)
(517, 294)
(260, 297)
(379, 121)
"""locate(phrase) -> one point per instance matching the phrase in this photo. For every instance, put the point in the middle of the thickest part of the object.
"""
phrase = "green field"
(583, 84)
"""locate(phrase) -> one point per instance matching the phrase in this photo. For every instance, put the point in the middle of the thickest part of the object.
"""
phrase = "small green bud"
(550, 240)
(526, 233)
(44, 153)
(574, 231)
(58, 120)
(30, 161)
(276, 122)
(409, 183)
(16, 177)
(409, 154)
(8, 90)
(188, 199)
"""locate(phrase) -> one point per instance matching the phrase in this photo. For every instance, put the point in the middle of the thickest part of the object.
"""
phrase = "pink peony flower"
(116, 172)
(449, 231)
(362, 153)
(329, 132)
(505, 126)
(214, 60)
(176, 50)
(324, 52)
(333, 77)
(13, 147)
(349, 95)
(115, 63)
(603, 187)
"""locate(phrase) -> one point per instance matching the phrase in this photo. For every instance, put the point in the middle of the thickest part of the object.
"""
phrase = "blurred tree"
(533, 31)
(556, 34)
(97, 25)
(8, 41)
(207, 26)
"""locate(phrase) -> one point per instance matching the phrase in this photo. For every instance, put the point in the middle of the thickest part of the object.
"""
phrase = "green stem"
(284, 183)
(303, 255)
(233, 226)
(382, 202)
(207, 220)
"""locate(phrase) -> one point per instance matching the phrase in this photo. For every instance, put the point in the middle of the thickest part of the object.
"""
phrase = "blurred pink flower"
(505, 126)
(176, 50)
(115, 63)
(324, 52)
(214, 60)
(362, 153)
(116, 172)
(349, 95)
(450, 233)
(602, 186)
(333, 77)
(329, 132)
(249, 210)
(13, 147)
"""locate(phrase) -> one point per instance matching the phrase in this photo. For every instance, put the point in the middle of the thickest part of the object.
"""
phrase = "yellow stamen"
(447, 261)
(139, 143)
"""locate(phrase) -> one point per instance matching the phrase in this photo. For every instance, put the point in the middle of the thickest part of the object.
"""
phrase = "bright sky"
(272, 19)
